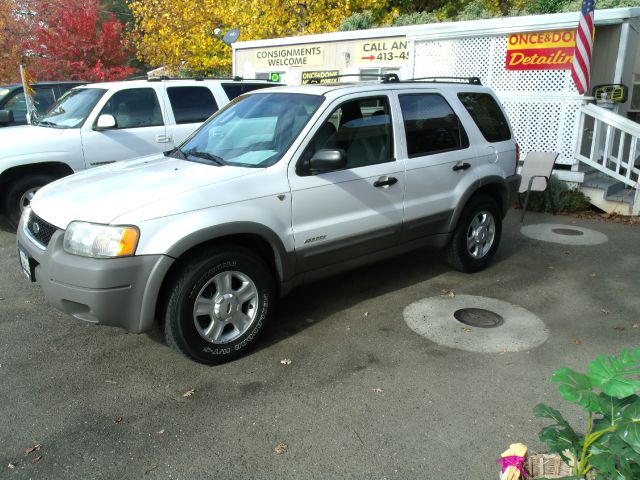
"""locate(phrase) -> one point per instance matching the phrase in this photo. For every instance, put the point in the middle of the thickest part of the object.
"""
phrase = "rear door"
(140, 126)
(440, 161)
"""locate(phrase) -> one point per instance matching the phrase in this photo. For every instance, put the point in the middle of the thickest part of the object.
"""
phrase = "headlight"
(101, 241)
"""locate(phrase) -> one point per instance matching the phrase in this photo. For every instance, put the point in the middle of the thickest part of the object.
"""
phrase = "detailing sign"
(382, 51)
(296, 56)
(541, 50)
(327, 76)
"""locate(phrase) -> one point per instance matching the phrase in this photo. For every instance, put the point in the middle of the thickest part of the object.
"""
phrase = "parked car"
(280, 187)
(101, 123)
(13, 106)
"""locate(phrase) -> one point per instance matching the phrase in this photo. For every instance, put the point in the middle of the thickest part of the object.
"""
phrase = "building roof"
(470, 28)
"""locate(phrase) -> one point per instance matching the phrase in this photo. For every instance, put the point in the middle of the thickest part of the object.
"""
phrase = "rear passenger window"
(487, 114)
(191, 104)
(431, 125)
(234, 90)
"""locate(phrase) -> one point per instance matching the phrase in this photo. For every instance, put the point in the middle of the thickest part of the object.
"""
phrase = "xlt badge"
(315, 239)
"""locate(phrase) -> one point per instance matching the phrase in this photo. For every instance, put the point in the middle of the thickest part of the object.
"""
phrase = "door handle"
(385, 182)
(163, 138)
(461, 166)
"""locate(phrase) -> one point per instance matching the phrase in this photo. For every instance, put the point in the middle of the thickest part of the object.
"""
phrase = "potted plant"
(608, 393)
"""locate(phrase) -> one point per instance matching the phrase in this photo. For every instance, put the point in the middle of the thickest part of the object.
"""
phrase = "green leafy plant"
(564, 199)
(608, 393)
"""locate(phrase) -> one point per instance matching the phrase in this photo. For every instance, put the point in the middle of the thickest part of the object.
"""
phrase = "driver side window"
(134, 108)
(361, 128)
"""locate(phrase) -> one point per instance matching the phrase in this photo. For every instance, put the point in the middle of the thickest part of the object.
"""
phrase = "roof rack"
(393, 78)
(469, 80)
(384, 77)
(199, 79)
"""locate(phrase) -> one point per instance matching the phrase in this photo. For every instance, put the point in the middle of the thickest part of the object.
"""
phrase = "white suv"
(280, 187)
(105, 122)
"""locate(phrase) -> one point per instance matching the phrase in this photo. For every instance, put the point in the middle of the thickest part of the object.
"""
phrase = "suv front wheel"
(19, 193)
(477, 235)
(218, 305)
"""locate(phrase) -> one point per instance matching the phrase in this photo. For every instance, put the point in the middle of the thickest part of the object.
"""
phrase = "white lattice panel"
(542, 104)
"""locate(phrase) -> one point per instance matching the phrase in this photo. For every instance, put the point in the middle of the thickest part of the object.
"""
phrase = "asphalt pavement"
(343, 384)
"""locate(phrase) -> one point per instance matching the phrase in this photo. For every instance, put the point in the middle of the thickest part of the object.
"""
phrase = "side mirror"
(106, 122)
(328, 160)
(6, 117)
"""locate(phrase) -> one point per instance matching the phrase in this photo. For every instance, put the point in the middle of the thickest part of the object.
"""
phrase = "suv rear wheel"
(218, 305)
(477, 235)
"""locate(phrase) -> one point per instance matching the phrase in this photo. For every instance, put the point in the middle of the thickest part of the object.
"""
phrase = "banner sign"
(541, 50)
(320, 77)
(382, 51)
(301, 56)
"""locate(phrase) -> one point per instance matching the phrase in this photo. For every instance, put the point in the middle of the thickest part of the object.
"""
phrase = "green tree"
(357, 21)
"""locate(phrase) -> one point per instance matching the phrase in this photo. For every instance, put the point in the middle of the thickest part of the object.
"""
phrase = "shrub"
(564, 198)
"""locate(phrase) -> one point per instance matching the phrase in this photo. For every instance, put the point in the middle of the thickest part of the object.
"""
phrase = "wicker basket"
(547, 465)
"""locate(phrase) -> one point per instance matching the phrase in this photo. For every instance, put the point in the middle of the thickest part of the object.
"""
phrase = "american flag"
(584, 45)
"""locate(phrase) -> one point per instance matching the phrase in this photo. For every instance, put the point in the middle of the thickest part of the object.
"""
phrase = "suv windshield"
(252, 131)
(72, 109)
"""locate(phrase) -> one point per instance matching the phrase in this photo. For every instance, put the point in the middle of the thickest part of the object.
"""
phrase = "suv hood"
(102, 194)
(26, 139)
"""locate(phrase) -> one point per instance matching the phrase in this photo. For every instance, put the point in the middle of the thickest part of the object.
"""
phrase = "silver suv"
(280, 187)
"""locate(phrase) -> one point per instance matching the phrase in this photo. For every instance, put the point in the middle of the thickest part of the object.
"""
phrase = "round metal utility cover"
(478, 317)
(567, 231)
(564, 234)
(434, 318)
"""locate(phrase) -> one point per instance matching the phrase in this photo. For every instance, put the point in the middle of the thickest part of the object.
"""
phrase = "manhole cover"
(563, 234)
(436, 318)
(567, 231)
(478, 317)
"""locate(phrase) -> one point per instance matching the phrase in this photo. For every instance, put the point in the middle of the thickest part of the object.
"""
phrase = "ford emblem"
(35, 228)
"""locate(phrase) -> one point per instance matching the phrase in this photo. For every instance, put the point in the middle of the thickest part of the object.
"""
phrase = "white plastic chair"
(535, 176)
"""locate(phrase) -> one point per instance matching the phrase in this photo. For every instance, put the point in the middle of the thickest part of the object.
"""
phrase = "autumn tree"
(77, 40)
(16, 22)
(179, 33)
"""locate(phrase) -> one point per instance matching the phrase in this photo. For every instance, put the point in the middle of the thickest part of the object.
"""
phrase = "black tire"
(19, 193)
(477, 235)
(224, 308)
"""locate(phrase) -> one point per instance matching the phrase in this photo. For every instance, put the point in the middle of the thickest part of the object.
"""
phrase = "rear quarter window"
(487, 115)
(191, 104)
(234, 90)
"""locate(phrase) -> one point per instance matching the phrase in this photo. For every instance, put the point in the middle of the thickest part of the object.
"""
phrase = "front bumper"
(120, 292)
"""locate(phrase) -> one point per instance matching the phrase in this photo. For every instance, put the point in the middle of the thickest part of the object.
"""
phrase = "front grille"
(40, 230)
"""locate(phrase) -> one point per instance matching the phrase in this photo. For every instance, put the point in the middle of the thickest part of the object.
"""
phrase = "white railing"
(610, 143)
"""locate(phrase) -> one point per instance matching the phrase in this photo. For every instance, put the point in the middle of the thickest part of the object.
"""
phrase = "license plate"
(26, 264)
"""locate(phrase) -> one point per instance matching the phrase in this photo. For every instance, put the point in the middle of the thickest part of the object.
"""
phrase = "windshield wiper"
(205, 156)
(46, 123)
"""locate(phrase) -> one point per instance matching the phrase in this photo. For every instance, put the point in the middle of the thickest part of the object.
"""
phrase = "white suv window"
(134, 108)
(191, 104)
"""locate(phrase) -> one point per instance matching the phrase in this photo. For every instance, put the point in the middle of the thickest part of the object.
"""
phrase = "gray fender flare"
(496, 180)
(283, 260)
